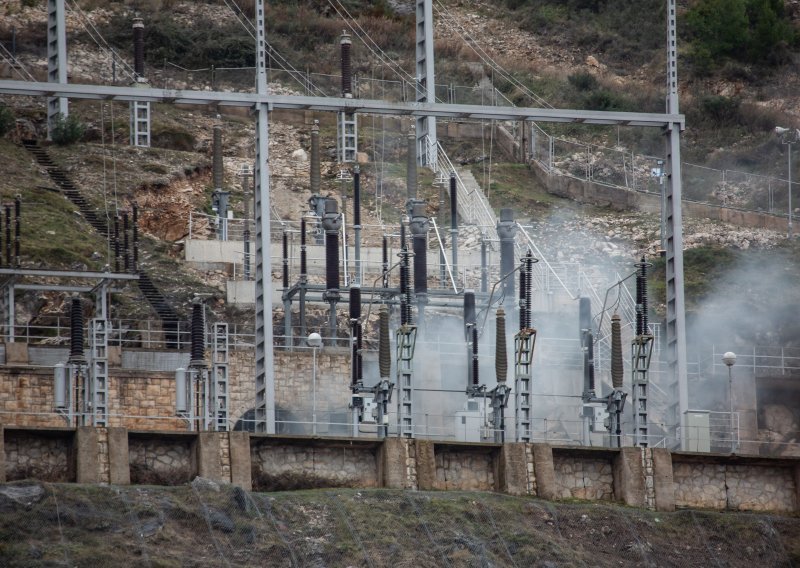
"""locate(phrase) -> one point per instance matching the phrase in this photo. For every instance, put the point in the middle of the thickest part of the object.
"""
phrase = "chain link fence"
(205, 524)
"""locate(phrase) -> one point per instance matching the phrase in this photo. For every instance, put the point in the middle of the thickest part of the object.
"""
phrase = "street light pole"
(314, 341)
(789, 136)
(729, 359)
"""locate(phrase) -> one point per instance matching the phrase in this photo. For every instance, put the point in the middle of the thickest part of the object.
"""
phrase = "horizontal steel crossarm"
(338, 104)
(69, 274)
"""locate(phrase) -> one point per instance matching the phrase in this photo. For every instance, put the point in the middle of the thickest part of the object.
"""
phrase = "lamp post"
(729, 358)
(789, 136)
(315, 342)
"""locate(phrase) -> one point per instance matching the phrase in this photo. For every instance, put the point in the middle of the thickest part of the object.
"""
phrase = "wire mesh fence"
(206, 524)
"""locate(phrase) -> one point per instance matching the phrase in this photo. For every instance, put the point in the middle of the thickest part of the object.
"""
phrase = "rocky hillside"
(210, 525)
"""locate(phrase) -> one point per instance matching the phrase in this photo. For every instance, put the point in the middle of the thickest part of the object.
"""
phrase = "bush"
(583, 81)
(6, 120)
(67, 130)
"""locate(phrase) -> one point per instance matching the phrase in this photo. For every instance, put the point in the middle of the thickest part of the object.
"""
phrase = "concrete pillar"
(426, 465)
(119, 467)
(662, 480)
(16, 353)
(512, 469)
(796, 478)
(87, 455)
(545, 471)
(744, 402)
(2, 455)
(394, 463)
(241, 472)
(629, 477)
(208, 454)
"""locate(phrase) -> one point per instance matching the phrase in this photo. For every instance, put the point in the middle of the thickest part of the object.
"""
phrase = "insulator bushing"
(589, 361)
(331, 223)
(355, 303)
(453, 202)
(126, 257)
(411, 166)
(116, 243)
(17, 227)
(8, 235)
(217, 170)
(617, 368)
(523, 324)
(527, 291)
(347, 66)
(419, 238)
(501, 356)
(138, 47)
(357, 197)
(303, 251)
(76, 351)
(642, 317)
(315, 160)
(198, 336)
(469, 308)
(506, 231)
(405, 288)
(385, 261)
(135, 229)
(384, 347)
(475, 362)
(285, 252)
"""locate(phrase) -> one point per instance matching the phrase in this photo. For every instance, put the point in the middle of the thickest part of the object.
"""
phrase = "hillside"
(598, 55)
(210, 525)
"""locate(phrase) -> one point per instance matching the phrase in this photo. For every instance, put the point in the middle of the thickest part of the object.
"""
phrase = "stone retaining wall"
(291, 466)
(464, 469)
(161, 460)
(583, 478)
(738, 487)
(47, 456)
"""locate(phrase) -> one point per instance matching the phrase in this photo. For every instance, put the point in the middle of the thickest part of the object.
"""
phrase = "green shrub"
(754, 31)
(67, 130)
(6, 120)
(583, 81)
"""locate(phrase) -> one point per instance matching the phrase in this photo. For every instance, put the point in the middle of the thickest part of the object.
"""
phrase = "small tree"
(7, 120)
(67, 130)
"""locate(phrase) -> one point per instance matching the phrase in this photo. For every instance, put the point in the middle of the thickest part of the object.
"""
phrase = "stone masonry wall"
(137, 400)
(295, 465)
(741, 487)
(160, 461)
(583, 478)
(464, 470)
(42, 457)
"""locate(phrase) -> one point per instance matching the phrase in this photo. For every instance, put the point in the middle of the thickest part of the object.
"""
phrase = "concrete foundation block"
(393, 462)
(629, 477)
(545, 472)
(119, 466)
(208, 456)
(662, 480)
(426, 465)
(87, 455)
(2, 455)
(16, 353)
(513, 469)
(241, 471)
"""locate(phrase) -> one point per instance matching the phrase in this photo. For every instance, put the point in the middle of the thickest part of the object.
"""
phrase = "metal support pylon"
(219, 376)
(56, 61)
(426, 85)
(140, 124)
(524, 343)
(98, 370)
(641, 352)
(406, 341)
(347, 129)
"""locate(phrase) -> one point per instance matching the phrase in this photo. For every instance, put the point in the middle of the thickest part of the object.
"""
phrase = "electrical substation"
(441, 329)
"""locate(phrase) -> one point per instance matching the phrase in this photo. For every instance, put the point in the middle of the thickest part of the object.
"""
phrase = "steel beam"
(56, 61)
(265, 367)
(676, 315)
(68, 274)
(426, 84)
(338, 104)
